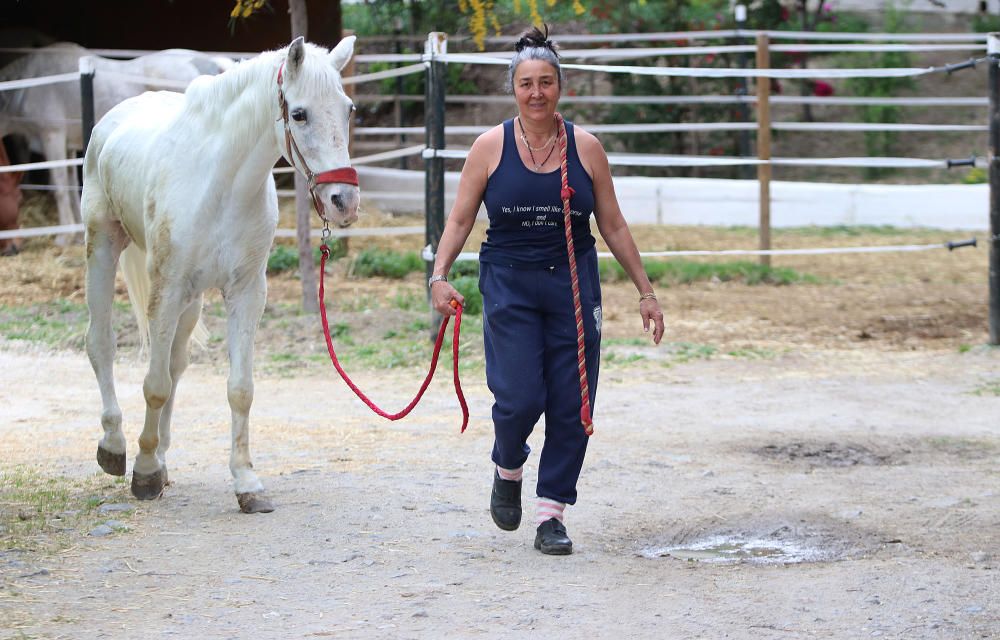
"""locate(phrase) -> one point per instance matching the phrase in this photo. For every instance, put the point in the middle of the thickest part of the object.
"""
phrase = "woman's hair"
(534, 45)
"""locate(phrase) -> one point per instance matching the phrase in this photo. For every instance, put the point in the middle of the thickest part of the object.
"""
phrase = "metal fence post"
(87, 98)
(434, 113)
(993, 50)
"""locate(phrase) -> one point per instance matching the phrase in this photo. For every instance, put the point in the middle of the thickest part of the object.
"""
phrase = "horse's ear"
(342, 53)
(296, 54)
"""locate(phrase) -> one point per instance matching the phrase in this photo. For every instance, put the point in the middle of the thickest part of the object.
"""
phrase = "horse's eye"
(299, 115)
(352, 109)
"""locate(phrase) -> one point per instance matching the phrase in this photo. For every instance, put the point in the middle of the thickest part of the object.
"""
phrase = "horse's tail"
(133, 262)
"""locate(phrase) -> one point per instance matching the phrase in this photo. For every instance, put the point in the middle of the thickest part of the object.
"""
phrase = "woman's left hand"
(650, 311)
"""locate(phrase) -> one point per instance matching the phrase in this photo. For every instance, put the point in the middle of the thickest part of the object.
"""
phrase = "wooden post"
(743, 139)
(434, 114)
(351, 90)
(764, 146)
(993, 50)
(397, 102)
(303, 203)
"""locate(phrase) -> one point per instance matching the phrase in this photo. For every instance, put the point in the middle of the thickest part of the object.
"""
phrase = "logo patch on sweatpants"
(597, 318)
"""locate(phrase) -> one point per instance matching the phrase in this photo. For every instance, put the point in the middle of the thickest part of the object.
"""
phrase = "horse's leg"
(178, 363)
(148, 474)
(105, 241)
(244, 307)
(54, 148)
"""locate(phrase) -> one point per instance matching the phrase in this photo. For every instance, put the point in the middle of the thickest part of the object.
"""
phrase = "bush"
(286, 257)
(282, 258)
(464, 268)
(686, 272)
(387, 263)
(469, 287)
(976, 175)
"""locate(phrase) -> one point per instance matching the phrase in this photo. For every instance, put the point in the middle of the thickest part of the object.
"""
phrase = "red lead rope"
(325, 250)
(567, 193)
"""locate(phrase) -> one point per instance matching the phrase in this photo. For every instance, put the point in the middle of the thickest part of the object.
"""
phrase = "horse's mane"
(213, 96)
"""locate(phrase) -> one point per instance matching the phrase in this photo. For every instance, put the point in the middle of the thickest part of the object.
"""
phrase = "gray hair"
(534, 45)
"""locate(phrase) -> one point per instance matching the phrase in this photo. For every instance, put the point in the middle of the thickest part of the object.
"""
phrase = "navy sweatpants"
(529, 330)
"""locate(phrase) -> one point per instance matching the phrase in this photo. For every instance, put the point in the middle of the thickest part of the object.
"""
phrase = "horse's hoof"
(112, 463)
(148, 486)
(254, 503)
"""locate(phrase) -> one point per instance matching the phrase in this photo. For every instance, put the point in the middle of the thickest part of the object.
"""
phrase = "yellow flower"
(536, 17)
(578, 8)
(477, 23)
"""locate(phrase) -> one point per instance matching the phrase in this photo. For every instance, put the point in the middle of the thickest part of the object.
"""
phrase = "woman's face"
(536, 89)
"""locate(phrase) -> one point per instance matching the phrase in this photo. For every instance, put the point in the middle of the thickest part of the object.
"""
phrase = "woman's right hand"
(442, 293)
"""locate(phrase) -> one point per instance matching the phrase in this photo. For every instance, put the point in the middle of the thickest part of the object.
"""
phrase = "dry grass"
(924, 300)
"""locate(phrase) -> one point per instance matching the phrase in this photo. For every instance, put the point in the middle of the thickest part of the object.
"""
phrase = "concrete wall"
(949, 6)
(695, 201)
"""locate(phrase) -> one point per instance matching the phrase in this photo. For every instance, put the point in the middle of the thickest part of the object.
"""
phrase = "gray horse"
(49, 116)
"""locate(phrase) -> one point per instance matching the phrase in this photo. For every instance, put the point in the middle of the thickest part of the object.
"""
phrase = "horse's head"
(313, 131)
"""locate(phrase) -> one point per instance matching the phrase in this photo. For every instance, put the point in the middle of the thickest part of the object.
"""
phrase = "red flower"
(822, 89)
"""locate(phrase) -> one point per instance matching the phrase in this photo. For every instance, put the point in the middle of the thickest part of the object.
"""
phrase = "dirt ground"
(816, 460)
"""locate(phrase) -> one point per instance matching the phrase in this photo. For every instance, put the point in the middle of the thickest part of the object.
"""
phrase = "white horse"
(184, 182)
(49, 116)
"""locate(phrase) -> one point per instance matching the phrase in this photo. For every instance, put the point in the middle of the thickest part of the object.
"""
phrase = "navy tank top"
(526, 212)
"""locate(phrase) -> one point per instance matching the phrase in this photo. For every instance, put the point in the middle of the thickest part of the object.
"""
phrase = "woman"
(529, 326)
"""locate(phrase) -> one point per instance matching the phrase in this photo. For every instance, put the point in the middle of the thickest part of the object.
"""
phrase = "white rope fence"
(419, 64)
(712, 99)
(428, 255)
(34, 232)
(651, 160)
(712, 72)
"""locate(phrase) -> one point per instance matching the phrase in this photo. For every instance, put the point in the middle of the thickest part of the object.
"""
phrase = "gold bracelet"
(647, 296)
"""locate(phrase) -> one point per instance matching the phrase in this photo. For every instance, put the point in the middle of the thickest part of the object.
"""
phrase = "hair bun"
(534, 37)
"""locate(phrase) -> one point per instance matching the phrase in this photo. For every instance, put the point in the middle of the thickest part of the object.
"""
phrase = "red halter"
(342, 175)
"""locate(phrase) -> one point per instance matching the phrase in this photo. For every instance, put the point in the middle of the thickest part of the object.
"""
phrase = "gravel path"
(821, 494)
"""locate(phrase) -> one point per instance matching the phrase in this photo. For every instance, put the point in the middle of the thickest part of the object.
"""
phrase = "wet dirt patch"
(826, 454)
(943, 324)
(773, 542)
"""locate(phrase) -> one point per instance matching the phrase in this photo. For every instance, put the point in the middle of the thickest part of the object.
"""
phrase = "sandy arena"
(828, 468)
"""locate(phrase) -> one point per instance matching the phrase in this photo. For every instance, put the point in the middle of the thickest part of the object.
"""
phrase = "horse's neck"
(240, 106)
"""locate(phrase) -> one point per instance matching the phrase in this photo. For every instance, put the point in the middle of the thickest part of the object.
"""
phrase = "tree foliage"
(481, 15)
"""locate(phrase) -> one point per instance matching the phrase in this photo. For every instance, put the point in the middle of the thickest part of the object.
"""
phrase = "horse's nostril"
(338, 201)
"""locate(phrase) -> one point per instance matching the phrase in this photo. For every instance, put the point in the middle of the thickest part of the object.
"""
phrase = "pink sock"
(514, 475)
(547, 509)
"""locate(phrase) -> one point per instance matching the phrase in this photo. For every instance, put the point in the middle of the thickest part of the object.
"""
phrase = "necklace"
(531, 150)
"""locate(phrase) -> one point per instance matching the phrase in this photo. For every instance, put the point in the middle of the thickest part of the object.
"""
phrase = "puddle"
(732, 549)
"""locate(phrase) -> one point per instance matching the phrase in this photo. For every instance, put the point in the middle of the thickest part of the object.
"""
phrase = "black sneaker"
(505, 502)
(552, 540)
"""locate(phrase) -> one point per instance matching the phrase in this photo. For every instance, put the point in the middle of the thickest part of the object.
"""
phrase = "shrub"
(686, 272)
(469, 288)
(286, 257)
(282, 258)
(387, 263)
